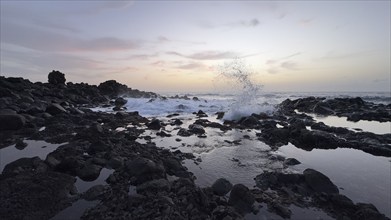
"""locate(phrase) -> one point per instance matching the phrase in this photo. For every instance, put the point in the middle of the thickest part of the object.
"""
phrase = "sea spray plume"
(248, 91)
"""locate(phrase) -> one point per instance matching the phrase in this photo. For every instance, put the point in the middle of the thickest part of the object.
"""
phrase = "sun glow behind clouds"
(176, 46)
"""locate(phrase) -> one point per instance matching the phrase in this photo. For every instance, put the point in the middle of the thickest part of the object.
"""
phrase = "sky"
(182, 46)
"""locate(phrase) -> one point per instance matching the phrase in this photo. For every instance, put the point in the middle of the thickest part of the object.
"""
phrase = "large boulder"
(221, 187)
(89, 172)
(196, 129)
(241, 198)
(145, 169)
(11, 122)
(154, 124)
(319, 182)
(119, 102)
(112, 88)
(56, 78)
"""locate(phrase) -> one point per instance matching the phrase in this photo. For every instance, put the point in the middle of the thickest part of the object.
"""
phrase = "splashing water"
(247, 100)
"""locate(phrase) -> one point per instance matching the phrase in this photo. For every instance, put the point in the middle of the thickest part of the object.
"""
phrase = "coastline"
(152, 182)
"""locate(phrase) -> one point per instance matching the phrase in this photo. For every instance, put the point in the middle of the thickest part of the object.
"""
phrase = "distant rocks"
(56, 78)
(112, 88)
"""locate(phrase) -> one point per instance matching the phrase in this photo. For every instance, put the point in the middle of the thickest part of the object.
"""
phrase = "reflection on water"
(83, 186)
(33, 149)
(363, 177)
(238, 164)
(369, 126)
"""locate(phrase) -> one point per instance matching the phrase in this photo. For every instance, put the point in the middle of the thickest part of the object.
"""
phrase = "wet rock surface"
(148, 182)
(310, 189)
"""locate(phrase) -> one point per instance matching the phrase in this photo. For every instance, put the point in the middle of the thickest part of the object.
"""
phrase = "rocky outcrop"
(56, 78)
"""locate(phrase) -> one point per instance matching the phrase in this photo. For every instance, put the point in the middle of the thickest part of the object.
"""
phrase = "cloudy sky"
(180, 46)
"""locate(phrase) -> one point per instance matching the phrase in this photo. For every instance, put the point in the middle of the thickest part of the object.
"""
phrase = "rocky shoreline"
(150, 182)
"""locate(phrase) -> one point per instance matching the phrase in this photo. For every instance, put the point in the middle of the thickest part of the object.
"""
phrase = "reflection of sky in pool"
(363, 177)
(33, 149)
(83, 186)
(369, 126)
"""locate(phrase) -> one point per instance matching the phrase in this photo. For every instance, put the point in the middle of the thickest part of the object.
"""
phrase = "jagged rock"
(221, 187)
(145, 169)
(155, 124)
(319, 182)
(55, 109)
(196, 129)
(56, 78)
(184, 133)
(119, 102)
(241, 198)
(291, 162)
(112, 88)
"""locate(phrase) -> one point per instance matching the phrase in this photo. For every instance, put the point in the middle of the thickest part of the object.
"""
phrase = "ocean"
(234, 105)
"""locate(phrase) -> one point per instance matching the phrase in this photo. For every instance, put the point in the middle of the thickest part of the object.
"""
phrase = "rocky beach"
(63, 159)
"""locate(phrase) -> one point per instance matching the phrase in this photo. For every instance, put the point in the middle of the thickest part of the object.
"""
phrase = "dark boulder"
(196, 129)
(119, 102)
(221, 187)
(249, 121)
(112, 88)
(184, 133)
(173, 166)
(291, 162)
(154, 124)
(55, 109)
(89, 172)
(241, 198)
(11, 122)
(56, 78)
(33, 165)
(145, 169)
(319, 182)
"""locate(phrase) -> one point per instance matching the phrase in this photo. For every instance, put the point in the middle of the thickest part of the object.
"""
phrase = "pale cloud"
(207, 55)
(235, 24)
(159, 63)
(192, 66)
(275, 61)
(43, 40)
(306, 21)
(273, 70)
(163, 39)
(289, 65)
